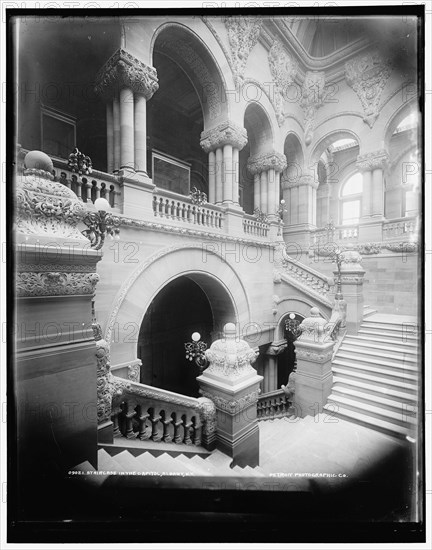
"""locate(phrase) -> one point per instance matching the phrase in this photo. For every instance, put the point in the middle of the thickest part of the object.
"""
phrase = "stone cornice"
(226, 133)
(268, 161)
(371, 161)
(123, 70)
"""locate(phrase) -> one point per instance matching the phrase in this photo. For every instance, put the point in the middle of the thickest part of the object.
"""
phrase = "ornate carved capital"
(243, 33)
(371, 161)
(367, 76)
(226, 133)
(262, 163)
(123, 70)
(55, 283)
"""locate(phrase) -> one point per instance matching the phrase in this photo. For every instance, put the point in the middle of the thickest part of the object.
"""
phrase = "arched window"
(351, 197)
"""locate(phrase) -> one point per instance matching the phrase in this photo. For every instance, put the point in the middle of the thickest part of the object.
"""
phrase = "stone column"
(268, 166)
(129, 82)
(372, 166)
(212, 177)
(225, 141)
(352, 276)
(56, 365)
(270, 371)
(116, 133)
(313, 381)
(300, 195)
(232, 384)
(110, 137)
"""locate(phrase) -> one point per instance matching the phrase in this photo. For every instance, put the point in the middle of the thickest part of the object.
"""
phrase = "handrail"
(273, 405)
(146, 412)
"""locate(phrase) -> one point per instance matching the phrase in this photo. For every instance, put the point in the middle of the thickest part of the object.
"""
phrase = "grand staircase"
(376, 375)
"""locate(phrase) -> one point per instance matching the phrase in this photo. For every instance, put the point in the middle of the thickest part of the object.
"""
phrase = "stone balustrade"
(252, 226)
(144, 412)
(271, 405)
(400, 227)
(314, 280)
(176, 207)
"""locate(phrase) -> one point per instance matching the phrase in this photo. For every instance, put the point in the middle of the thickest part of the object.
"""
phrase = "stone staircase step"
(136, 447)
(394, 336)
(368, 311)
(371, 390)
(388, 327)
(127, 462)
(374, 378)
(398, 373)
(372, 347)
(383, 359)
(381, 344)
(371, 410)
(107, 462)
(374, 423)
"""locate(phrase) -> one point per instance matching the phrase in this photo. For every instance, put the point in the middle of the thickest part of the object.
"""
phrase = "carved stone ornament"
(367, 75)
(268, 161)
(53, 283)
(124, 70)
(369, 248)
(235, 405)
(226, 133)
(313, 328)
(351, 260)
(372, 161)
(313, 92)
(134, 373)
(230, 358)
(210, 89)
(304, 179)
(105, 388)
(402, 247)
(314, 356)
(243, 33)
(47, 208)
(283, 69)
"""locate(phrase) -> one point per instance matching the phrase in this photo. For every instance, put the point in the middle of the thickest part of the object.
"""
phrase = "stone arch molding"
(141, 287)
(203, 65)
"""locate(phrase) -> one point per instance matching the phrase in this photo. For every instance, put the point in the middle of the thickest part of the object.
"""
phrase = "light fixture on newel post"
(195, 351)
(100, 224)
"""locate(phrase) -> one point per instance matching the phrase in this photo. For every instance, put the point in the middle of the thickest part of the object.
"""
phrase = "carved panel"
(312, 99)
(54, 283)
(243, 33)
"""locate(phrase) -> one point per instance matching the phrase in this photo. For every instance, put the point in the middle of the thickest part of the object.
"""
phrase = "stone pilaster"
(352, 276)
(373, 167)
(232, 384)
(127, 84)
(223, 144)
(313, 379)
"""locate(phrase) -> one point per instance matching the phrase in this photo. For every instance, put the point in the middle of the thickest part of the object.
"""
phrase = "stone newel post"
(352, 276)
(314, 350)
(233, 385)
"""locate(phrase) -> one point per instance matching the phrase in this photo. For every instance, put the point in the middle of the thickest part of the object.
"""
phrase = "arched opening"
(260, 141)
(287, 361)
(187, 304)
(189, 99)
(351, 199)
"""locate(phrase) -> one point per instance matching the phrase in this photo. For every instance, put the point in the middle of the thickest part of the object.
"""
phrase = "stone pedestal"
(314, 350)
(352, 276)
(55, 354)
(233, 385)
(138, 196)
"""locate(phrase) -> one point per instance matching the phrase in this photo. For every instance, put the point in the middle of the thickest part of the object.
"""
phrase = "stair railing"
(274, 404)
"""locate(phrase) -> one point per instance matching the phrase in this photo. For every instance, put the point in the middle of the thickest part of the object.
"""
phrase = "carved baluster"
(154, 419)
(160, 207)
(167, 420)
(112, 195)
(144, 431)
(103, 190)
(64, 180)
(84, 189)
(129, 415)
(197, 429)
(187, 432)
(115, 420)
(155, 206)
(177, 211)
(178, 426)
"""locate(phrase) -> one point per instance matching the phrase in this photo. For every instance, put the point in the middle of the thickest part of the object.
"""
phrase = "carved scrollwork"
(367, 75)
(105, 387)
(52, 283)
(371, 161)
(283, 69)
(235, 405)
(312, 98)
(226, 133)
(243, 33)
(262, 163)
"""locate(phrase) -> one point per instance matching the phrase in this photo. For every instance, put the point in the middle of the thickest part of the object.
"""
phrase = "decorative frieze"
(314, 356)
(243, 33)
(123, 70)
(262, 163)
(313, 92)
(305, 179)
(372, 161)
(235, 405)
(54, 283)
(226, 133)
(367, 75)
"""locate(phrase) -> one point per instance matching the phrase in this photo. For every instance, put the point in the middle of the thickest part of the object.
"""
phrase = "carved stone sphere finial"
(37, 160)
(229, 331)
(315, 312)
